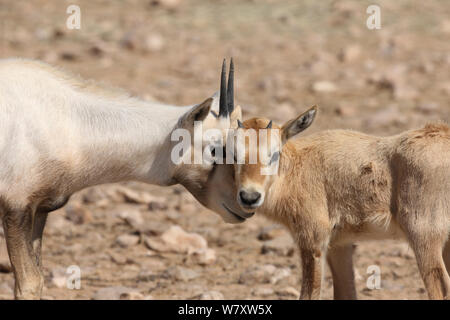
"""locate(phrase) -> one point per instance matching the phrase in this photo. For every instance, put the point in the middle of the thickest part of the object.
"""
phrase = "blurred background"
(288, 55)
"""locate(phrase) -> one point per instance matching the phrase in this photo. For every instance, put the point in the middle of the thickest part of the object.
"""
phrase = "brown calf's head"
(257, 151)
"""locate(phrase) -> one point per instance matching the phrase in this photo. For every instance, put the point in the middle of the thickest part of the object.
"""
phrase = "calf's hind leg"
(40, 219)
(18, 226)
(432, 270)
(428, 244)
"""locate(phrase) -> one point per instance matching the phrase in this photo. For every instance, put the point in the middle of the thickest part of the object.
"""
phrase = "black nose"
(249, 198)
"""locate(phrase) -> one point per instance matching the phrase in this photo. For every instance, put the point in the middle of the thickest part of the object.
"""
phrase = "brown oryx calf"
(336, 187)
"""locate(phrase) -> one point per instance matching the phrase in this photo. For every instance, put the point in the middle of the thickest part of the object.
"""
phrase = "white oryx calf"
(336, 187)
(60, 134)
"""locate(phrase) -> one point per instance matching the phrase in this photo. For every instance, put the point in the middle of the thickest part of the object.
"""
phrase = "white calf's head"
(198, 153)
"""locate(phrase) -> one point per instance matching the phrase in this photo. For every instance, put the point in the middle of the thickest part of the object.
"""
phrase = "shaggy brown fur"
(337, 187)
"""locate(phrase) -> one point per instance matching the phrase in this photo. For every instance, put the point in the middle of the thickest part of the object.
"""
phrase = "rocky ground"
(134, 241)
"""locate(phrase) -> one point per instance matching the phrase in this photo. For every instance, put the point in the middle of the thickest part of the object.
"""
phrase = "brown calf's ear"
(297, 125)
(198, 113)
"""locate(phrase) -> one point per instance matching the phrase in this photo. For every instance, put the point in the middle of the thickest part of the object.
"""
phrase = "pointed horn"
(230, 89)
(240, 124)
(223, 108)
(269, 126)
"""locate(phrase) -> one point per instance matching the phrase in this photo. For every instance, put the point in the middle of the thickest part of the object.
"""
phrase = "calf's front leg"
(312, 265)
(18, 227)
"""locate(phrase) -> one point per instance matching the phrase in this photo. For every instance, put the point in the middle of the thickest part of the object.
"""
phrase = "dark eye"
(213, 152)
(275, 157)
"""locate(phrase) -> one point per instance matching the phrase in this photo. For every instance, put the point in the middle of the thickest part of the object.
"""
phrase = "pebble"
(175, 239)
(324, 87)
(78, 214)
(288, 292)
(211, 295)
(263, 292)
(111, 293)
(181, 273)
(267, 273)
(127, 240)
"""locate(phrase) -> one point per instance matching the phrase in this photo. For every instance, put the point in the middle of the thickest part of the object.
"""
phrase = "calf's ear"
(297, 125)
(198, 113)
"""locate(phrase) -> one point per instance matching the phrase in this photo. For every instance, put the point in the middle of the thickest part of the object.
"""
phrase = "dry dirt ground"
(288, 55)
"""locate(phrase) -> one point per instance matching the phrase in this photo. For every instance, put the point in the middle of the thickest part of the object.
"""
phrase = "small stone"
(324, 87)
(118, 258)
(168, 4)
(288, 292)
(93, 195)
(157, 245)
(111, 293)
(68, 56)
(205, 256)
(181, 274)
(345, 110)
(78, 214)
(127, 240)
(175, 239)
(155, 205)
(154, 43)
(132, 295)
(350, 53)
(59, 277)
(211, 295)
(96, 51)
(183, 241)
(257, 274)
(135, 197)
(280, 274)
(128, 41)
(133, 217)
(263, 292)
